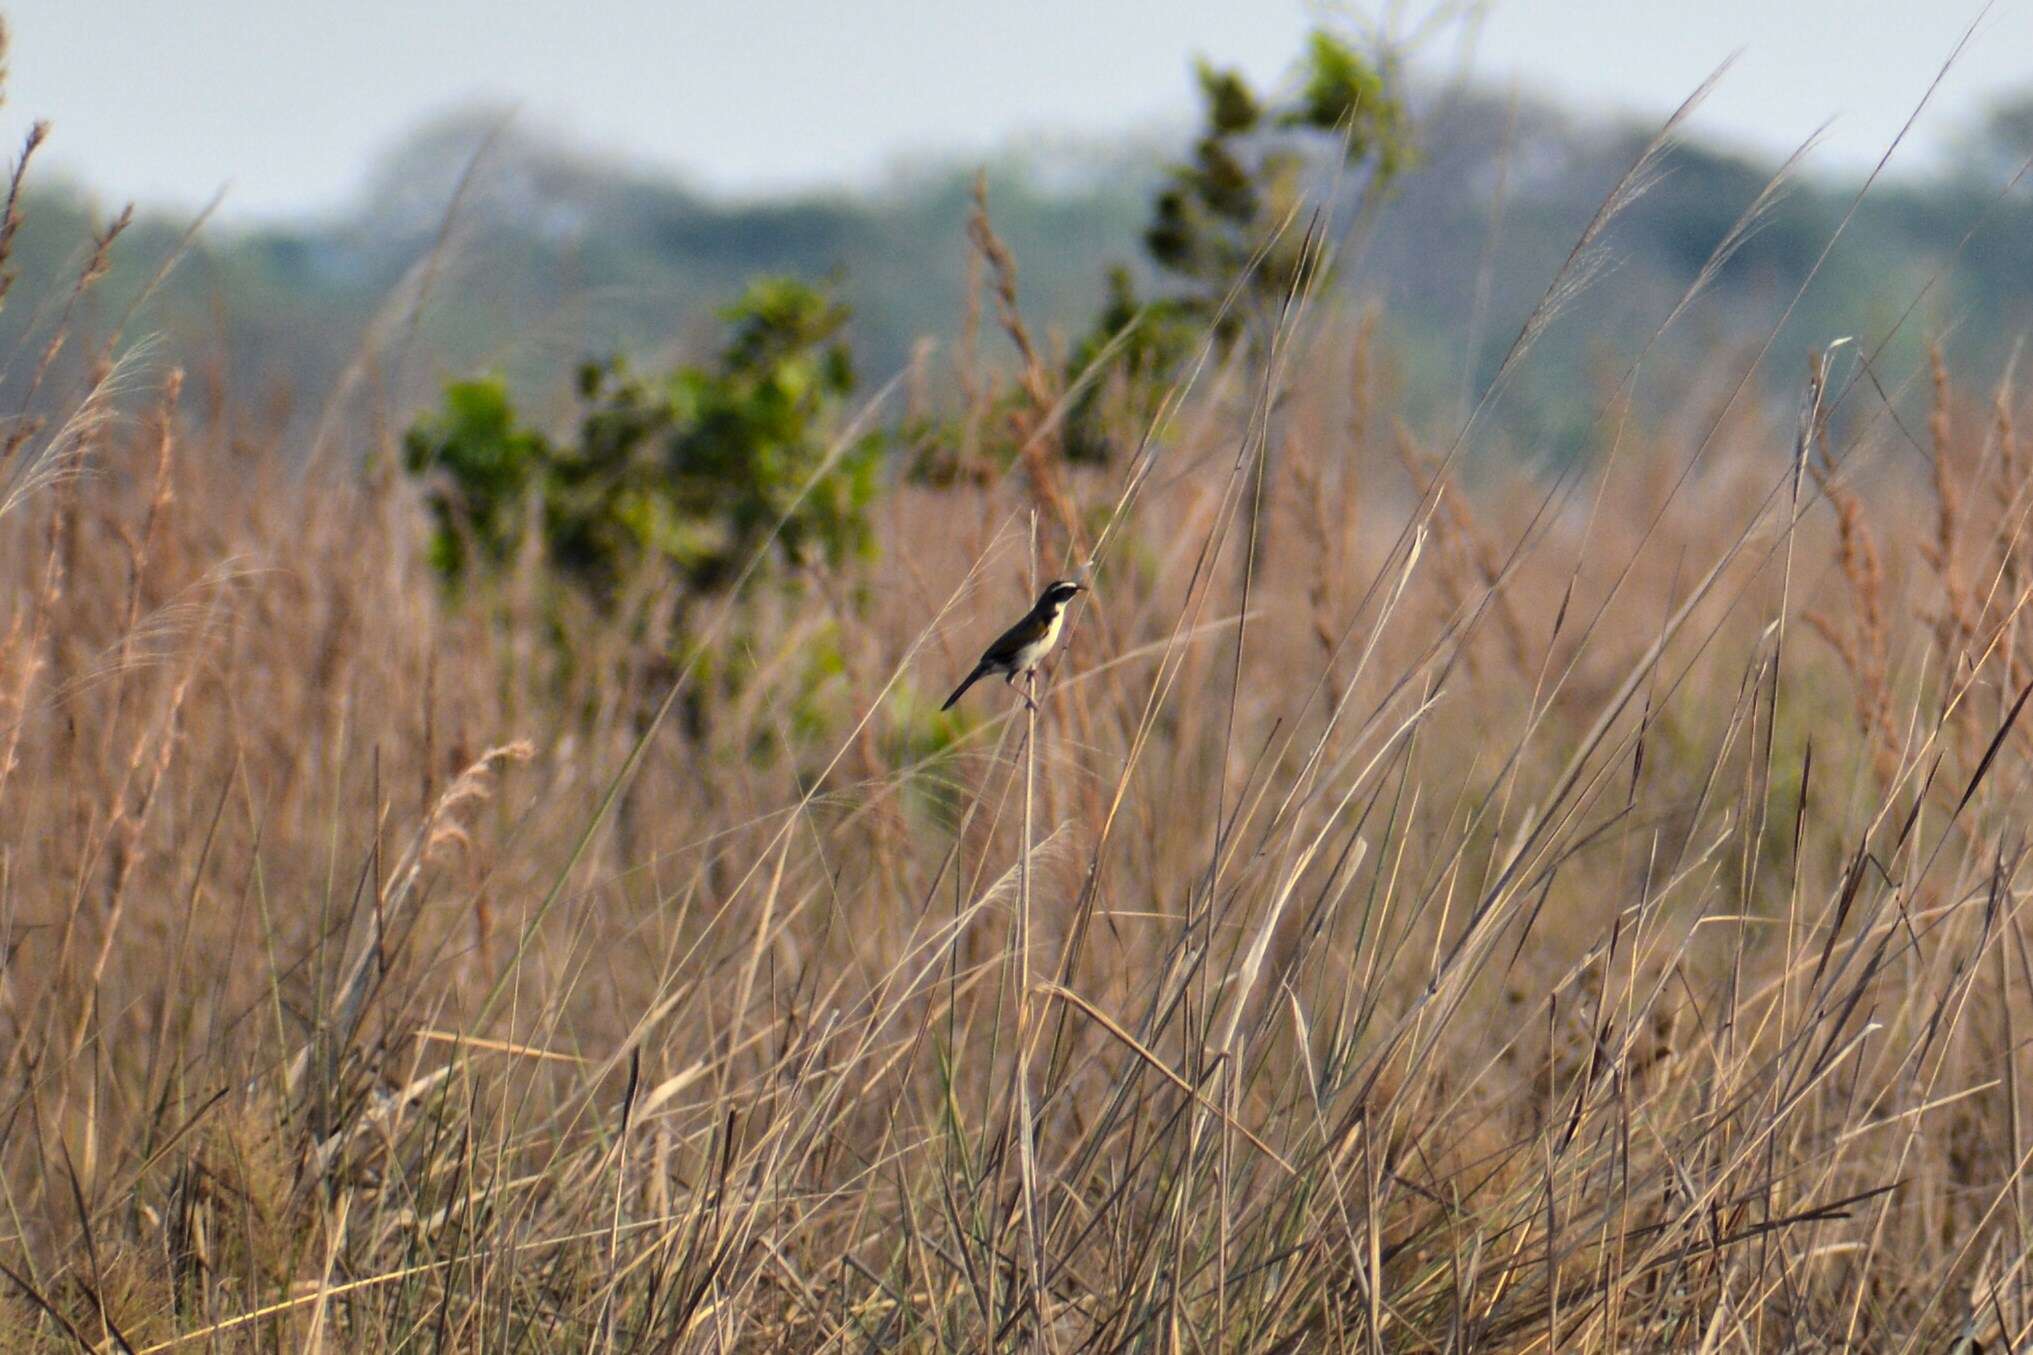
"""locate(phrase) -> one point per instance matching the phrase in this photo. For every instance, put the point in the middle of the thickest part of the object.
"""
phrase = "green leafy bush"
(688, 471)
(1223, 225)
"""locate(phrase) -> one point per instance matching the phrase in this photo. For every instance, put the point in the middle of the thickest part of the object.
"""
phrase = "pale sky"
(288, 102)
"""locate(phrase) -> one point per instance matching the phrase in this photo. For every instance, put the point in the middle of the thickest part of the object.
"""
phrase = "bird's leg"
(1030, 687)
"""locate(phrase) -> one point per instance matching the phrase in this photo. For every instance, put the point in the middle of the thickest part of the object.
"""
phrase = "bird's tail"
(961, 690)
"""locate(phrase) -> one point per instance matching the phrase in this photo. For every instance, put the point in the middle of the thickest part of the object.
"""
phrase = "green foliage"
(491, 461)
(1236, 198)
(1224, 223)
(1141, 345)
(1232, 108)
(688, 471)
(1347, 95)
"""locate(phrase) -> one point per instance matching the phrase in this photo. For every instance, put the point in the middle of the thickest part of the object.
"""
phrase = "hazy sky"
(288, 101)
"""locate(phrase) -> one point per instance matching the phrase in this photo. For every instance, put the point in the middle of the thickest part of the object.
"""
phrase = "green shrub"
(1223, 225)
(688, 471)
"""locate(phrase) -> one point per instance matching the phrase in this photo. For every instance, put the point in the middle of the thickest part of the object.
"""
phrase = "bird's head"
(1059, 592)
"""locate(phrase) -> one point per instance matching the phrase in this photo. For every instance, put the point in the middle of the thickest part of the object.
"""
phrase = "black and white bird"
(1023, 646)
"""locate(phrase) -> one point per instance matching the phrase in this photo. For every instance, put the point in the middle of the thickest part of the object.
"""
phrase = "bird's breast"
(1038, 648)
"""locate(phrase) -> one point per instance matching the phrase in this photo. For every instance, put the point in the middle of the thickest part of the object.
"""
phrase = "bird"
(1023, 646)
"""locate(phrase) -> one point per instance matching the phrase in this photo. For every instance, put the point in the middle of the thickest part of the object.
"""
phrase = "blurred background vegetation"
(614, 258)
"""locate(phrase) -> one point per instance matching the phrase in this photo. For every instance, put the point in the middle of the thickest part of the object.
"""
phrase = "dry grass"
(1461, 915)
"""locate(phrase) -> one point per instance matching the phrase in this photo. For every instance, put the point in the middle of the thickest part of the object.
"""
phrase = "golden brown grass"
(1462, 914)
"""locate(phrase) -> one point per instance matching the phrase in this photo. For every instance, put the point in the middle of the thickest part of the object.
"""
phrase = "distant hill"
(557, 253)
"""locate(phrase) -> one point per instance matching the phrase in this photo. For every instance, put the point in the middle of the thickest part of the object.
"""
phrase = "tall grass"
(1425, 913)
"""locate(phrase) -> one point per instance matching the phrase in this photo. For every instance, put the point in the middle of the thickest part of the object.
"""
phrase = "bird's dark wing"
(1024, 632)
(1001, 655)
